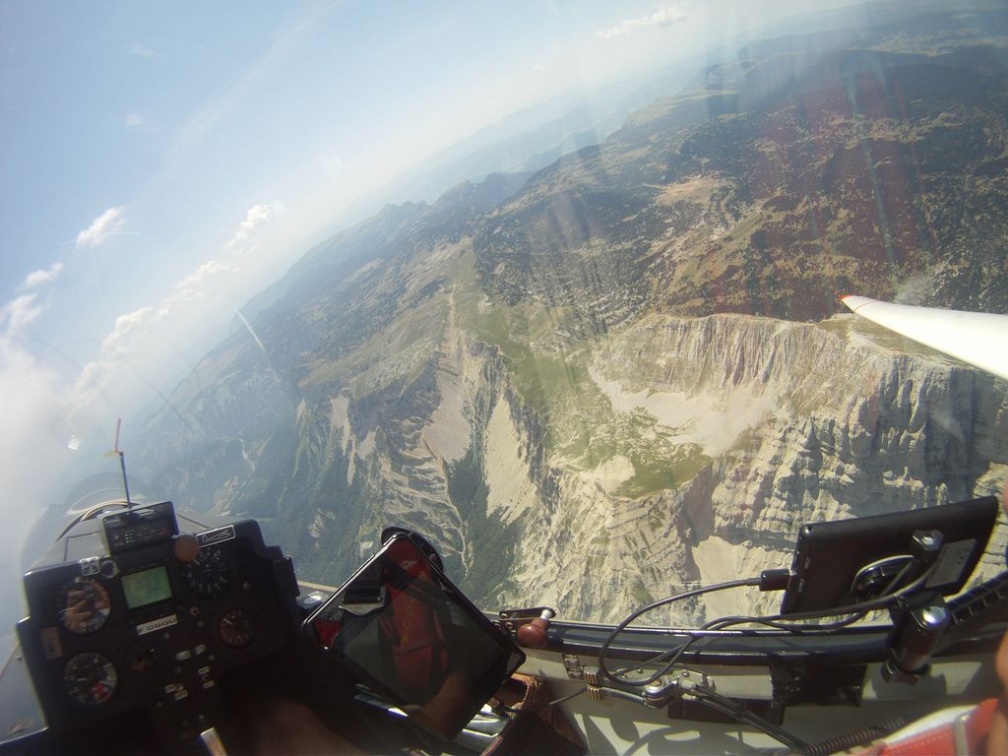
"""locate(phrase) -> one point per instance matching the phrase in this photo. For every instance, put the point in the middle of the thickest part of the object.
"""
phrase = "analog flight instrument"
(209, 574)
(84, 605)
(237, 628)
(90, 679)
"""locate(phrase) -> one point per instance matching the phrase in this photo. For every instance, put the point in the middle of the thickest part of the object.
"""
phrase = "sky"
(161, 162)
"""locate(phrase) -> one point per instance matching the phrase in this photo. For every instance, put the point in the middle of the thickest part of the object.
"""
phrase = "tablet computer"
(406, 632)
(844, 562)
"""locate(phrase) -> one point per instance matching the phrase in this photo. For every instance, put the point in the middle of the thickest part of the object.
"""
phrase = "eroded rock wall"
(798, 423)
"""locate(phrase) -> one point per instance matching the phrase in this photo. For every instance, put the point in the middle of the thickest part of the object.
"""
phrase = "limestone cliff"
(784, 422)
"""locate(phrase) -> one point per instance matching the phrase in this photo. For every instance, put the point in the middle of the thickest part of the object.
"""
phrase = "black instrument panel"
(115, 631)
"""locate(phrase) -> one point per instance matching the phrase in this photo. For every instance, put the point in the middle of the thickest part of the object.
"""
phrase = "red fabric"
(413, 627)
(942, 739)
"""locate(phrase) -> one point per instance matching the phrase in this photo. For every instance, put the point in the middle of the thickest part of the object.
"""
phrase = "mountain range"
(594, 382)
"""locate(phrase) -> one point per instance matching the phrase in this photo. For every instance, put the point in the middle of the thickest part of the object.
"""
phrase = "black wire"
(742, 714)
(773, 621)
(859, 610)
(778, 622)
(568, 697)
(654, 605)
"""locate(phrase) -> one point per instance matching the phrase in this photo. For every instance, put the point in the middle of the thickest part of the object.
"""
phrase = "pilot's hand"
(78, 612)
(81, 608)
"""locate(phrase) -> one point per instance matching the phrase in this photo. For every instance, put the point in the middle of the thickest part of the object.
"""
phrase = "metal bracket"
(679, 684)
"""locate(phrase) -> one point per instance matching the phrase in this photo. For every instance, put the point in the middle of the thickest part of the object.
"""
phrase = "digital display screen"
(147, 587)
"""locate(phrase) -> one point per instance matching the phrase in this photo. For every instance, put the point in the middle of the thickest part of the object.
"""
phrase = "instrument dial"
(237, 628)
(84, 605)
(209, 574)
(90, 679)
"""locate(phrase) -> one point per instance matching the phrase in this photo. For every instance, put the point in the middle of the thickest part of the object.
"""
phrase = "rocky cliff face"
(804, 423)
(779, 423)
(796, 423)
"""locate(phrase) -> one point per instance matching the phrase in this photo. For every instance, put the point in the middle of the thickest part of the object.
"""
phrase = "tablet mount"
(919, 619)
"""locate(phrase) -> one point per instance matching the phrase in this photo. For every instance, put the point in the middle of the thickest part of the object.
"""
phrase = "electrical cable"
(568, 697)
(741, 714)
(654, 605)
(768, 580)
(671, 658)
(857, 611)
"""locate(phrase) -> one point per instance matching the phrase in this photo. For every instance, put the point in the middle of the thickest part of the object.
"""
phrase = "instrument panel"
(152, 625)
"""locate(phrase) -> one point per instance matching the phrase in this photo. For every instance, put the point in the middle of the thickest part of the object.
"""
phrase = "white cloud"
(141, 51)
(662, 17)
(30, 443)
(92, 380)
(33, 447)
(118, 347)
(256, 216)
(42, 277)
(134, 119)
(116, 343)
(138, 336)
(17, 314)
(193, 286)
(101, 228)
(138, 339)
